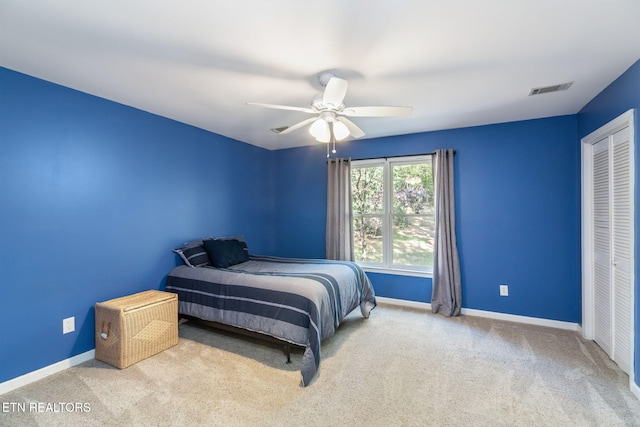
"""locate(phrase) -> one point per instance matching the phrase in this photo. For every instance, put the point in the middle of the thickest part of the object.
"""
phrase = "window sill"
(397, 272)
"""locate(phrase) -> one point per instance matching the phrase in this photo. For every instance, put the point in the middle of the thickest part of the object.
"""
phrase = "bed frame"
(287, 346)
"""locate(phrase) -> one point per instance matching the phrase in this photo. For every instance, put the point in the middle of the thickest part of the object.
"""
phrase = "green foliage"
(367, 236)
(413, 241)
(412, 188)
(367, 195)
(367, 190)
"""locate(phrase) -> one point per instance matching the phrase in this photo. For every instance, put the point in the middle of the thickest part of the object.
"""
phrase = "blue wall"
(620, 96)
(518, 210)
(93, 195)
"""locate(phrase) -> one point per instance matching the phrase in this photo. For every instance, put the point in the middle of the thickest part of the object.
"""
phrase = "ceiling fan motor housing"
(324, 77)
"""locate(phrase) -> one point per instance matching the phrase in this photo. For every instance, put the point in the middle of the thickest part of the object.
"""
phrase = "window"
(393, 213)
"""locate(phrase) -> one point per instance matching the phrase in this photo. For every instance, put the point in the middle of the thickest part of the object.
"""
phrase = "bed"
(297, 301)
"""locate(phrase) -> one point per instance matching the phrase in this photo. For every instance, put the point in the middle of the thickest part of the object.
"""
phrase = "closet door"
(608, 240)
(601, 246)
(612, 247)
(622, 215)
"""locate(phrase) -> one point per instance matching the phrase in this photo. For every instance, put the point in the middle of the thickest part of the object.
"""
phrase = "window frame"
(386, 267)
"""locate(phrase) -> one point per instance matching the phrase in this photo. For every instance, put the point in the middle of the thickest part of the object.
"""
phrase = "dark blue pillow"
(225, 253)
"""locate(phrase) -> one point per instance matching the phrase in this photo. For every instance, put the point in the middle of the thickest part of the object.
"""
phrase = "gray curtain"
(446, 296)
(339, 239)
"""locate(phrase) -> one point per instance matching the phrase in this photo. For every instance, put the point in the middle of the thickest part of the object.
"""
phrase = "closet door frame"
(588, 317)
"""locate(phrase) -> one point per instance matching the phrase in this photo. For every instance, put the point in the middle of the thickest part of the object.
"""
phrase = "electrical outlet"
(504, 290)
(68, 325)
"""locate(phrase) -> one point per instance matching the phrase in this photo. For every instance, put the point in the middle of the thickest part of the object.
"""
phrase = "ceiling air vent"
(549, 89)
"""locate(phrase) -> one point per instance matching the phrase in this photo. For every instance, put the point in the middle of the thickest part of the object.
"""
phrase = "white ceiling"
(458, 63)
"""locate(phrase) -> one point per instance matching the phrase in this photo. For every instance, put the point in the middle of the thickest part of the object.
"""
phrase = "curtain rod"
(391, 157)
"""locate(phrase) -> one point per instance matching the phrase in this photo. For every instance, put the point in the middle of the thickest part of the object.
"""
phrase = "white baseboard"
(558, 324)
(634, 388)
(34, 376)
(488, 314)
(403, 303)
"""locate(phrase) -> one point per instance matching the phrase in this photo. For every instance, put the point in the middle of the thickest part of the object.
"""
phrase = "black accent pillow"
(225, 253)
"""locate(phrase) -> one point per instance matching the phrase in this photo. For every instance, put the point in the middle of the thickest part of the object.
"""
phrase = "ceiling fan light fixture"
(340, 130)
(320, 130)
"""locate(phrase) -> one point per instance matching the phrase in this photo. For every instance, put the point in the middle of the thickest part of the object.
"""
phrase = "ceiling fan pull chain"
(332, 138)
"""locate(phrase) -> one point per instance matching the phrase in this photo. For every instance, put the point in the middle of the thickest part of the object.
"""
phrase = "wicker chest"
(132, 328)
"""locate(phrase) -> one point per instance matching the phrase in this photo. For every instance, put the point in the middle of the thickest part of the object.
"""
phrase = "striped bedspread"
(300, 301)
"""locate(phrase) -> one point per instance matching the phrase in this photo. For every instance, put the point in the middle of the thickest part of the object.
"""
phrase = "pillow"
(224, 253)
(242, 257)
(239, 238)
(193, 253)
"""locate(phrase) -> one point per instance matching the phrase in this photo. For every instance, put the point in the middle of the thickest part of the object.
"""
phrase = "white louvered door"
(612, 246)
(622, 215)
(601, 245)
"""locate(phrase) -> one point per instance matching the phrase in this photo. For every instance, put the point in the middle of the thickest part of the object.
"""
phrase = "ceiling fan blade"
(335, 92)
(282, 107)
(354, 130)
(291, 128)
(379, 111)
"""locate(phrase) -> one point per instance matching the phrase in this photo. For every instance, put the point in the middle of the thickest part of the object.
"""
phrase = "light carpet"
(401, 367)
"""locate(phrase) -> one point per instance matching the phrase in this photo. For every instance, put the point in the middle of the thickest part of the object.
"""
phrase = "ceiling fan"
(330, 122)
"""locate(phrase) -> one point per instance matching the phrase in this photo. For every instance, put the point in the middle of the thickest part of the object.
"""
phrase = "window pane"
(367, 238)
(367, 190)
(412, 188)
(396, 193)
(413, 240)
